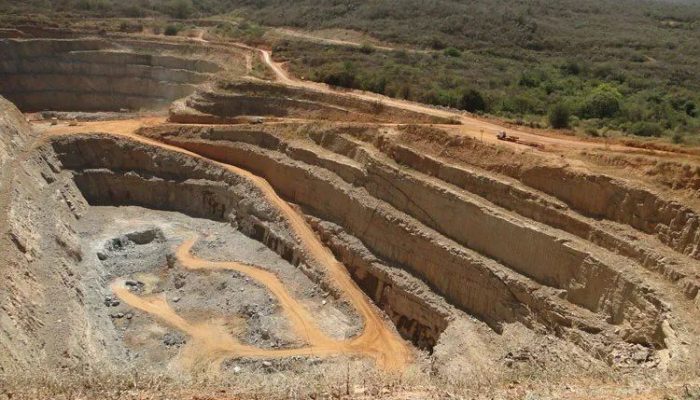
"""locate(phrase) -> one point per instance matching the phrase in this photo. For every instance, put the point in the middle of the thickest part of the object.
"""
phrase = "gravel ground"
(137, 245)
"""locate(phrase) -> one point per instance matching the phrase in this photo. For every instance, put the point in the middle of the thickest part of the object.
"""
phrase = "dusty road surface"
(376, 340)
(211, 343)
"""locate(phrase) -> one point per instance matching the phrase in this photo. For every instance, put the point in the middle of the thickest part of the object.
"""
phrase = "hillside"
(522, 57)
(602, 67)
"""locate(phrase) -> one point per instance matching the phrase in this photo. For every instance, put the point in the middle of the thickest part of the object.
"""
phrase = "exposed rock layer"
(94, 75)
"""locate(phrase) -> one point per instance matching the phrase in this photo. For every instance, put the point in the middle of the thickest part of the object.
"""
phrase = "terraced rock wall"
(109, 171)
(94, 75)
(595, 196)
(229, 100)
(465, 249)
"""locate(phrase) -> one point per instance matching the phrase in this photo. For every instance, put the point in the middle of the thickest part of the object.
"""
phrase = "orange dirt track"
(376, 340)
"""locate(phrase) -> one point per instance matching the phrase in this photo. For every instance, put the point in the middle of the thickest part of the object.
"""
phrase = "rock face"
(495, 264)
(47, 286)
(485, 258)
(38, 253)
(15, 132)
(94, 75)
(593, 195)
(422, 258)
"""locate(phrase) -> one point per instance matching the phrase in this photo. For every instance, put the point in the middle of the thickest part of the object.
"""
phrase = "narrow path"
(339, 42)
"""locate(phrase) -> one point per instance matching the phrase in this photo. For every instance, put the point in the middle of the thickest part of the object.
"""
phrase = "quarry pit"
(166, 210)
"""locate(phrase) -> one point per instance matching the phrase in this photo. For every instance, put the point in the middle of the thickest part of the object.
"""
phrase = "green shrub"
(646, 129)
(521, 104)
(373, 83)
(405, 92)
(366, 48)
(452, 52)
(472, 101)
(592, 131)
(677, 138)
(436, 43)
(571, 68)
(559, 116)
(529, 79)
(339, 75)
(603, 102)
(171, 30)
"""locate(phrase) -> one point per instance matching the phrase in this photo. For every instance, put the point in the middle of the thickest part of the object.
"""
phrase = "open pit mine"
(164, 210)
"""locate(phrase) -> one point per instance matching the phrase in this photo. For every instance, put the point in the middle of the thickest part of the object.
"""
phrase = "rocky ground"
(137, 245)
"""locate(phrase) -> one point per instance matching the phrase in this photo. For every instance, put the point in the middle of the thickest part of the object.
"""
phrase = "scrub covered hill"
(599, 66)
(625, 65)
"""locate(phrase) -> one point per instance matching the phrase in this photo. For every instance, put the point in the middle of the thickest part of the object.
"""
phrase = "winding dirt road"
(210, 344)
(376, 340)
(470, 126)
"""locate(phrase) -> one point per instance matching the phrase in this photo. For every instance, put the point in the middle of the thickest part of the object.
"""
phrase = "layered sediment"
(95, 75)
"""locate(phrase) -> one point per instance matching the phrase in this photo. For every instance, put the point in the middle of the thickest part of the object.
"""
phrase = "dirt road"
(469, 126)
(211, 343)
(376, 340)
(339, 42)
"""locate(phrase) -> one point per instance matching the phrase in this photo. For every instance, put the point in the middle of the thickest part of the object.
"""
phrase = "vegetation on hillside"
(180, 9)
(629, 66)
(607, 65)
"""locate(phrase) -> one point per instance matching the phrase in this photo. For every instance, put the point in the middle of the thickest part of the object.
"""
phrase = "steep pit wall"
(512, 195)
(111, 171)
(419, 314)
(495, 291)
(116, 171)
(595, 196)
(46, 286)
(41, 290)
(94, 75)
(229, 100)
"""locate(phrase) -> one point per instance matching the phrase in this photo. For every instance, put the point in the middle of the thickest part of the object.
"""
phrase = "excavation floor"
(175, 302)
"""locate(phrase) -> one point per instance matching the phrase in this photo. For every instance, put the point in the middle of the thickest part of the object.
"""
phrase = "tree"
(366, 48)
(643, 128)
(602, 102)
(472, 101)
(405, 92)
(559, 116)
(571, 68)
(339, 75)
(171, 30)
